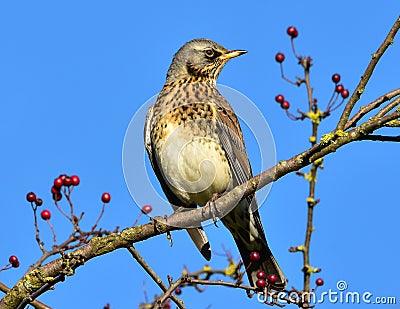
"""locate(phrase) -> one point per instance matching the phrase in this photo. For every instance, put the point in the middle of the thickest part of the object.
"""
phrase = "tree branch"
(42, 278)
(367, 75)
(373, 105)
(97, 246)
(380, 138)
(154, 276)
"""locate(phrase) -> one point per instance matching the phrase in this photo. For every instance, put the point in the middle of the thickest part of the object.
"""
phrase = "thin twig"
(71, 205)
(373, 105)
(62, 211)
(367, 75)
(380, 138)
(313, 107)
(136, 255)
(285, 78)
(29, 299)
(388, 107)
(53, 232)
(168, 294)
(99, 217)
(37, 231)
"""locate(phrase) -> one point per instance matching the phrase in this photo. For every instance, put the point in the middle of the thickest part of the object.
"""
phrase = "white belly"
(195, 168)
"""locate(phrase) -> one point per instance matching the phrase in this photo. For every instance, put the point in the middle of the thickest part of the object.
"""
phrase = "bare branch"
(154, 276)
(35, 304)
(388, 108)
(373, 105)
(367, 75)
(380, 138)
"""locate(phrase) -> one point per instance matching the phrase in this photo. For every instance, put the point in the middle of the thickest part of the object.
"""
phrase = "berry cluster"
(63, 181)
(31, 198)
(261, 275)
(339, 88)
(306, 63)
(281, 100)
(293, 33)
(14, 261)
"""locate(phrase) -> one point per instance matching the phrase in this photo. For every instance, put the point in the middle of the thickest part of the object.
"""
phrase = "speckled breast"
(187, 147)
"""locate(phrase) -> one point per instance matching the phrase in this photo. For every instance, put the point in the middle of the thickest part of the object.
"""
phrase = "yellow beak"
(233, 53)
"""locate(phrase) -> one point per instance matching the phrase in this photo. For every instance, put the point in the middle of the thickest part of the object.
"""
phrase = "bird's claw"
(213, 208)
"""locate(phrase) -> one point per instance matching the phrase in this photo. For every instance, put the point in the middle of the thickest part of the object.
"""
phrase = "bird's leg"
(212, 205)
(169, 237)
(162, 220)
(155, 221)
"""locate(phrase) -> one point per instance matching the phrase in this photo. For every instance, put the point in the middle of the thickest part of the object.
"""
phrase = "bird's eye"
(209, 53)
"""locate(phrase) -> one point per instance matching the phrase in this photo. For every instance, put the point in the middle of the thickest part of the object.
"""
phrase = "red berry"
(319, 282)
(336, 78)
(106, 197)
(67, 181)
(261, 283)
(345, 93)
(272, 278)
(57, 196)
(279, 57)
(15, 265)
(147, 209)
(292, 31)
(261, 274)
(31, 197)
(254, 256)
(58, 182)
(339, 88)
(75, 180)
(55, 190)
(178, 291)
(285, 105)
(13, 259)
(166, 304)
(45, 214)
(39, 202)
(279, 98)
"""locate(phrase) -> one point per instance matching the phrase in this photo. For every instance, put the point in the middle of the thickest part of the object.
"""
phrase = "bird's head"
(200, 60)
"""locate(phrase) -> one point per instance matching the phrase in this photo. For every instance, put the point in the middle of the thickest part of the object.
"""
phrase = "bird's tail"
(247, 230)
(200, 239)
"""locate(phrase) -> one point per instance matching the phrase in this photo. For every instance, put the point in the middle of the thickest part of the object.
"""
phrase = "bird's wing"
(231, 139)
(244, 220)
(147, 131)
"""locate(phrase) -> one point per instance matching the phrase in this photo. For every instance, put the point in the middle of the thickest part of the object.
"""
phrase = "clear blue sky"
(72, 76)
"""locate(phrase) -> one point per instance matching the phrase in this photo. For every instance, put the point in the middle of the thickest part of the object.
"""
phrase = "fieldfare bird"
(196, 148)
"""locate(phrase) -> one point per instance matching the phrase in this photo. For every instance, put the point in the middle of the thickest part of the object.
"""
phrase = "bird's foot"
(212, 205)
